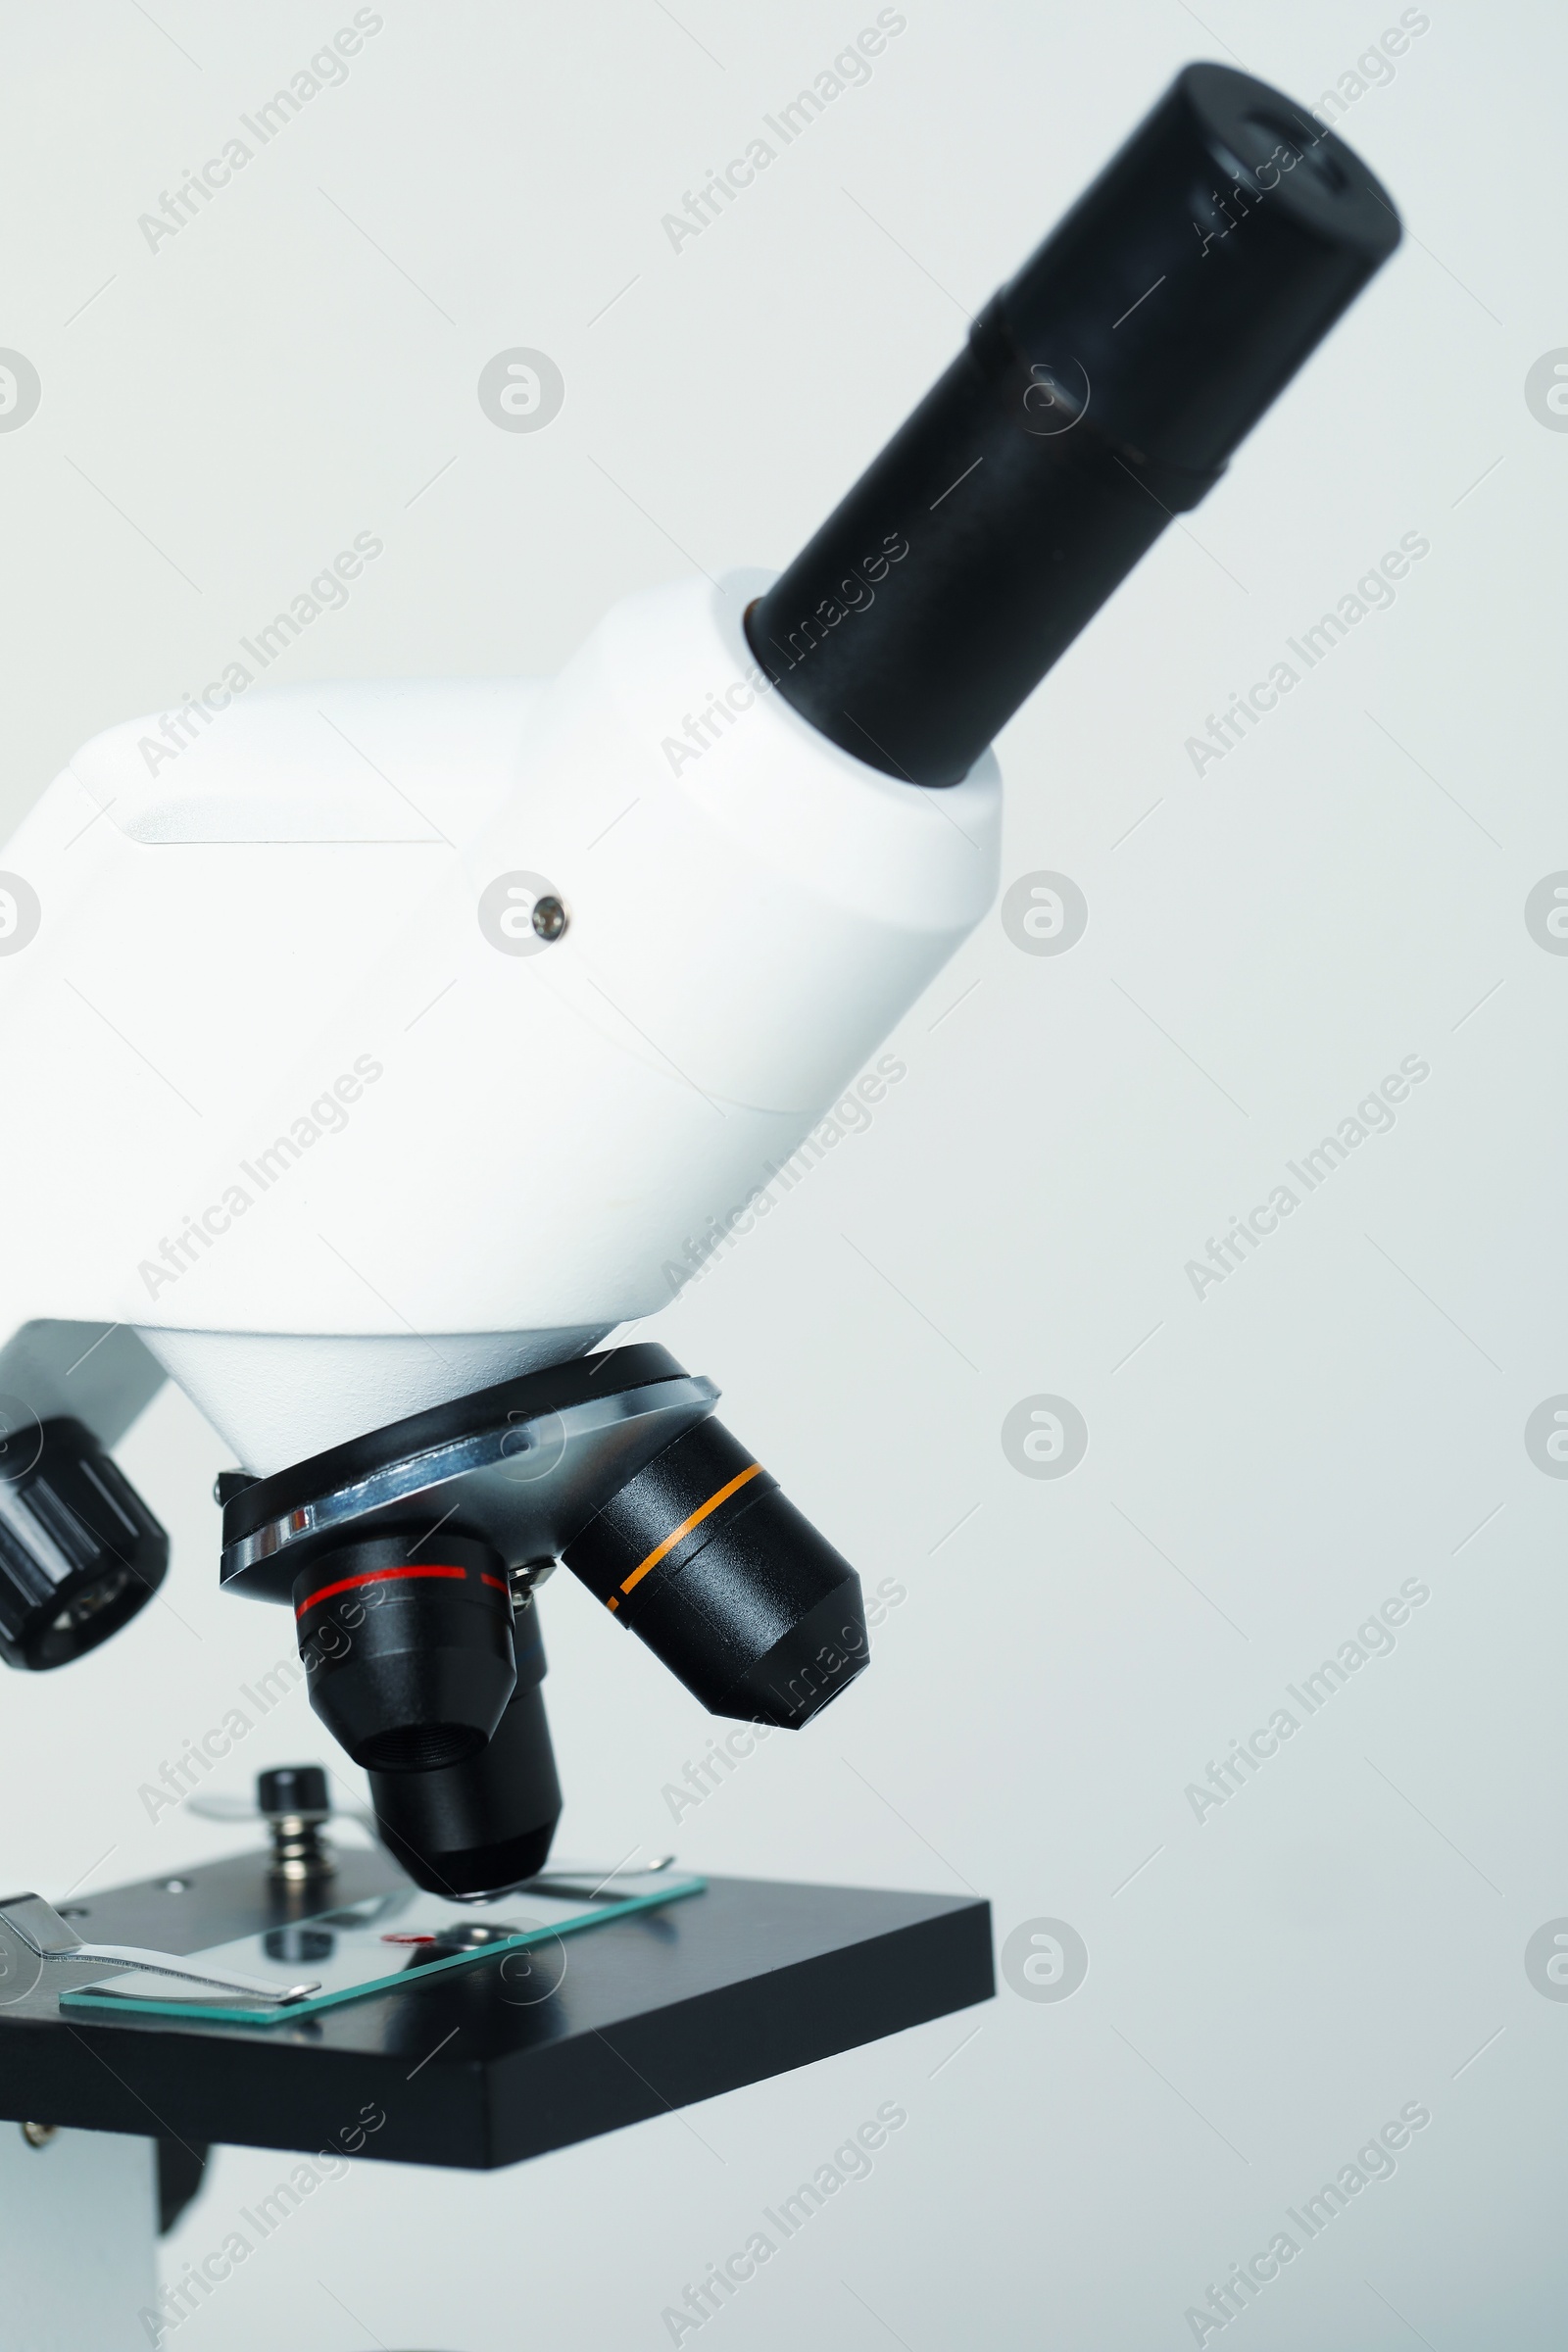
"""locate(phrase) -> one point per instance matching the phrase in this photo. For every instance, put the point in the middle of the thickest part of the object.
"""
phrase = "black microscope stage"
(653, 2012)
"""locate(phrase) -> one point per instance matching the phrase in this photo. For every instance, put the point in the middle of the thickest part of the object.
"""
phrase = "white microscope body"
(342, 1137)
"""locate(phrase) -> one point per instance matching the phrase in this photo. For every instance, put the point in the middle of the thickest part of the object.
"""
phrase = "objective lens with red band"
(411, 1660)
(385, 1575)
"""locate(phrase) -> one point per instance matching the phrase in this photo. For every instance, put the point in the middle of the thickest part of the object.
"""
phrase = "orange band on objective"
(659, 1551)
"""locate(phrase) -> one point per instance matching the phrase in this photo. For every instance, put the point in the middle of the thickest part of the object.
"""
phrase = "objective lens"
(704, 1559)
(409, 1651)
(487, 1823)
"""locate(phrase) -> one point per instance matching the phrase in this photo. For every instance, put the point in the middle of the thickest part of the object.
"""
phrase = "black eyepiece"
(1101, 394)
(702, 1557)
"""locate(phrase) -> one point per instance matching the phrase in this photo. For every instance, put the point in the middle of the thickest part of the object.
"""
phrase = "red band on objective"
(379, 1576)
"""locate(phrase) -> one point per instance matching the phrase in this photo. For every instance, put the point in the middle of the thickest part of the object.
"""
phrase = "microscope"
(379, 1050)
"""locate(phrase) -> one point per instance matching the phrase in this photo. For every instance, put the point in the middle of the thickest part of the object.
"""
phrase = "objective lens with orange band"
(704, 1559)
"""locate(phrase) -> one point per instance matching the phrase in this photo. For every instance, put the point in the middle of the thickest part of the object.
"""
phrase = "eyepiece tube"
(1099, 395)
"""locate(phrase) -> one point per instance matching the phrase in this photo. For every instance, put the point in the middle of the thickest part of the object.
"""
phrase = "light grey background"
(1267, 1465)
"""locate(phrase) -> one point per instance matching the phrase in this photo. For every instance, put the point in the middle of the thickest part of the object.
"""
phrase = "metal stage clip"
(48, 1936)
